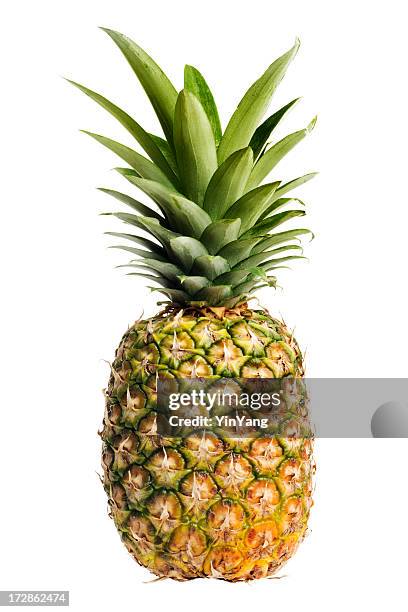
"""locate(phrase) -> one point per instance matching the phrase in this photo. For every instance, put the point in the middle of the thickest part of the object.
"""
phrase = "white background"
(65, 307)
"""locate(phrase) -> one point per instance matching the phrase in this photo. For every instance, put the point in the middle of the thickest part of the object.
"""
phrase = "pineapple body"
(203, 505)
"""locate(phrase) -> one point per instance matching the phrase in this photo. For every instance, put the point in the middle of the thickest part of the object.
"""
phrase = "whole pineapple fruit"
(204, 505)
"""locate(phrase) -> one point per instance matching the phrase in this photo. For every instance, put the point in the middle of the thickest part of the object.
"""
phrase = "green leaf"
(197, 85)
(273, 156)
(194, 143)
(275, 239)
(252, 107)
(143, 166)
(244, 288)
(167, 152)
(262, 134)
(238, 249)
(237, 277)
(271, 265)
(301, 180)
(210, 266)
(127, 218)
(249, 287)
(215, 294)
(148, 244)
(258, 258)
(127, 172)
(193, 284)
(258, 273)
(162, 234)
(220, 233)
(157, 86)
(160, 280)
(251, 206)
(176, 296)
(138, 252)
(143, 138)
(186, 216)
(148, 224)
(187, 250)
(231, 278)
(279, 203)
(164, 268)
(135, 204)
(228, 183)
(260, 229)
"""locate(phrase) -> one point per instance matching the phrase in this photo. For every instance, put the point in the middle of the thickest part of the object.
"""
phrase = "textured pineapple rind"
(202, 506)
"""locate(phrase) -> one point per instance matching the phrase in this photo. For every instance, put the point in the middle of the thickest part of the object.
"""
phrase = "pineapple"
(204, 505)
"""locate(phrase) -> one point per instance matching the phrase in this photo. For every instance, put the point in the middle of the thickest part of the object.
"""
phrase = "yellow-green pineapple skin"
(203, 506)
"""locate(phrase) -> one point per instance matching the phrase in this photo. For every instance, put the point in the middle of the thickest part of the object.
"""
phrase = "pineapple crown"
(212, 237)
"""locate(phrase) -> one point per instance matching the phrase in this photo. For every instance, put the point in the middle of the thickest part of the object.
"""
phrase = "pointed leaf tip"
(196, 83)
(107, 30)
(160, 91)
(312, 124)
(194, 144)
(253, 105)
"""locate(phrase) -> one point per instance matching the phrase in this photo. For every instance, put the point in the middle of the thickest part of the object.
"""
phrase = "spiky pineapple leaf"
(301, 180)
(274, 239)
(273, 263)
(186, 216)
(194, 144)
(253, 105)
(160, 280)
(258, 273)
(193, 284)
(148, 224)
(251, 206)
(176, 295)
(238, 249)
(135, 204)
(220, 233)
(127, 218)
(143, 166)
(190, 167)
(139, 252)
(228, 183)
(156, 84)
(262, 134)
(258, 258)
(162, 234)
(262, 228)
(163, 268)
(231, 278)
(210, 266)
(143, 138)
(215, 294)
(126, 172)
(145, 242)
(279, 203)
(167, 152)
(252, 275)
(250, 288)
(196, 83)
(275, 154)
(245, 288)
(187, 250)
